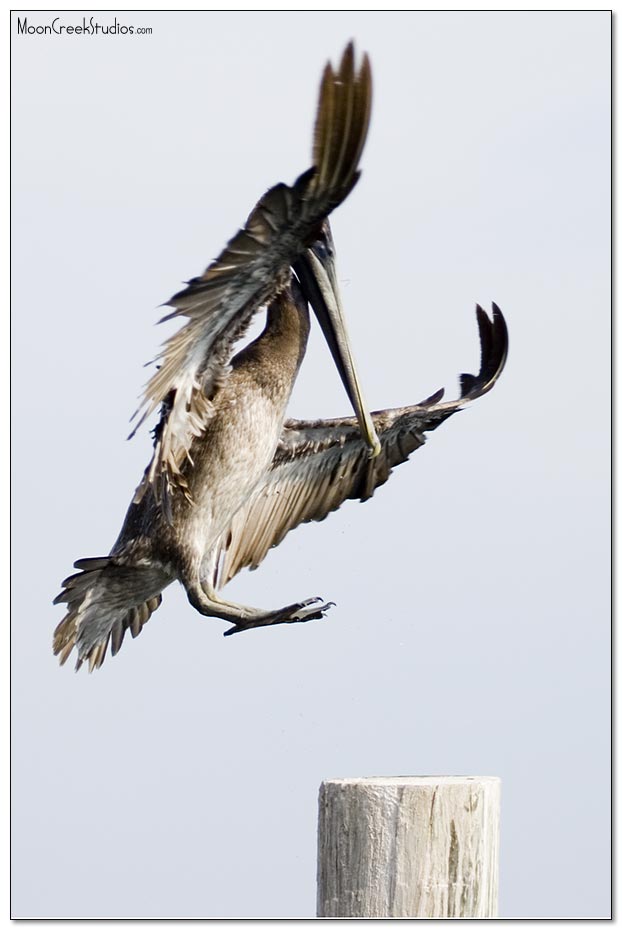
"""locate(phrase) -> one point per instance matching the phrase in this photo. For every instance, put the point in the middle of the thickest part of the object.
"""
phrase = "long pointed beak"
(317, 274)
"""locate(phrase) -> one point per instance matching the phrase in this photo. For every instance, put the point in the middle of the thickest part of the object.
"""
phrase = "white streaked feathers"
(320, 464)
(251, 271)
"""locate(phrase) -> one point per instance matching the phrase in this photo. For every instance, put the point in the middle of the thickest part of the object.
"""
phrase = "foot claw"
(236, 628)
(304, 613)
(295, 613)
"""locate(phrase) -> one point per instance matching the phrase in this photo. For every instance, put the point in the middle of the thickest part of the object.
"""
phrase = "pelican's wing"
(220, 303)
(318, 465)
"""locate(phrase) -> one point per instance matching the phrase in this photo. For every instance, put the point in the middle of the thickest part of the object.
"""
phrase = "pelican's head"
(316, 271)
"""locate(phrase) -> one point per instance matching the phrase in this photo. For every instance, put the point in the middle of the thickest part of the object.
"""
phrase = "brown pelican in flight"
(229, 476)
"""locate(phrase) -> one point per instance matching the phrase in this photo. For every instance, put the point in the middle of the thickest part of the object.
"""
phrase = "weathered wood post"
(408, 847)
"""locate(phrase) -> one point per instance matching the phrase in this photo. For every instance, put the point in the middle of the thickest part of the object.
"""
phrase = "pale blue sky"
(471, 633)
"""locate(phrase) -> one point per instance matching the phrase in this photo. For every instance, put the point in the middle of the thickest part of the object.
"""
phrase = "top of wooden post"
(408, 846)
(387, 781)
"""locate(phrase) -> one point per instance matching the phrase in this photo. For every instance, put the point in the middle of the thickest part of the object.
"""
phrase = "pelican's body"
(234, 455)
(241, 439)
(229, 476)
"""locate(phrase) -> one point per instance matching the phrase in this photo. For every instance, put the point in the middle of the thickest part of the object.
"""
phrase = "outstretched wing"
(254, 266)
(318, 465)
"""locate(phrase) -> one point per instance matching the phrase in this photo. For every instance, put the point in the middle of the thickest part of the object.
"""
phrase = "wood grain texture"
(422, 846)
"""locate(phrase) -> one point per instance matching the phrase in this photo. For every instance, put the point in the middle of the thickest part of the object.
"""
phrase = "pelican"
(229, 476)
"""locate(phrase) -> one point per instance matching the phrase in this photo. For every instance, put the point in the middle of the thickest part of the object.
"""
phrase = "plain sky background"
(471, 633)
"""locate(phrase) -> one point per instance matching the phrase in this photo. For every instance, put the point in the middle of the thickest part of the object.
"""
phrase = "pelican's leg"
(204, 598)
(313, 608)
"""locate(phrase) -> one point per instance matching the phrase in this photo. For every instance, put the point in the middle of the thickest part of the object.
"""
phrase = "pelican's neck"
(273, 359)
(288, 319)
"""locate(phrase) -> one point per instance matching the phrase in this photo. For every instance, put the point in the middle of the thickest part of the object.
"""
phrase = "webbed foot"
(302, 612)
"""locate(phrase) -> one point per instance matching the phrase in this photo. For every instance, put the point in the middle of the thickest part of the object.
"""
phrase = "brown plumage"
(253, 267)
(229, 477)
(322, 463)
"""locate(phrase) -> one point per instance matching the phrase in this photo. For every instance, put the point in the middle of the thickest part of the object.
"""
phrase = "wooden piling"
(422, 846)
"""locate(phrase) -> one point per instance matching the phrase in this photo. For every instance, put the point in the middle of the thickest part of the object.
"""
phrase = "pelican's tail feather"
(104, 600)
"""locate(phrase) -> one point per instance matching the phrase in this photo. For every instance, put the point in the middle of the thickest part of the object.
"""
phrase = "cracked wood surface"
(408, 847)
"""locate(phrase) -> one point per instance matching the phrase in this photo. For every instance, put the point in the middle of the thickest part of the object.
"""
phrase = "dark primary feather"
(320, 464)
(250, 271)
